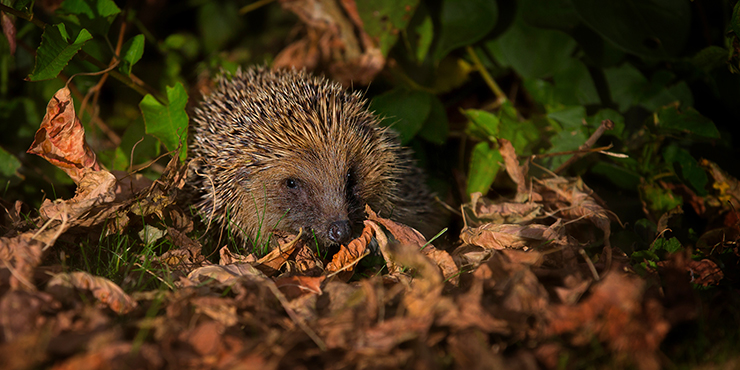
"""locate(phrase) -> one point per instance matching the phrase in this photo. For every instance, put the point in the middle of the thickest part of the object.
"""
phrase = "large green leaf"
(558, 14)
(464, 23)
(574, 85)
(218, 22)
(168, 123)
(435, 127)
(404, 110)
(384, 20)
(687, 168)
(485, 162)
(9, 164)
(533, 52)
(55, 51)
(689, 121)
(95, 15)
(131, 52)
(652, 28)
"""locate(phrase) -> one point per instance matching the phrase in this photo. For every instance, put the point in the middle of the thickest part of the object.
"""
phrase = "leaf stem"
(500, 96)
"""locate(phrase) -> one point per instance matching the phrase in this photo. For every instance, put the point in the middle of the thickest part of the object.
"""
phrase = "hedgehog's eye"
(291, 183)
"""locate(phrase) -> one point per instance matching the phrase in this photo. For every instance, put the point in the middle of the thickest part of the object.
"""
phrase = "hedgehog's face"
(324, 199)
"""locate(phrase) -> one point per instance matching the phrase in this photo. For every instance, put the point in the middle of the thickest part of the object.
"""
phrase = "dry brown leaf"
(61, 138)
(271, 263)
(617, 313)
(402, 233)
(8, 26)
(227, 275)
(227, 257)
(704, 272)
(119, 355)
(346, 258)
(94, 188)
(307, 262)
(222, 310)
(106, 291)
(515, 171)
(573, 200)
(296, 286)
(504, 212)
(336, 38)
(498, 236)
(21, 255)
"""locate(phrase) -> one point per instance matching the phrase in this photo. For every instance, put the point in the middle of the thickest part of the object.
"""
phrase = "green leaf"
(384, 20)
(687, 168)
(711, 57)
(95, 15)
(617, 175)
(55, 51)
(168, 123)
(533, 52)
(671, 245)
(424, 32)
(485, 163)
(735, 20)
(485, 124)
(464, 23)
(557, 14)
(218, 22)
(131, 52)
(574, 85)
(651, 28)
(9, 164)
(90, 8)
(571, 118)
(436, 127)
(403, 110)
(21, 5)
(625, 85)
(658, 199)
(689, 121)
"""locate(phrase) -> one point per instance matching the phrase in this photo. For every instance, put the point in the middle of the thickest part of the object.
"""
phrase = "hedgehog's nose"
(339, 232)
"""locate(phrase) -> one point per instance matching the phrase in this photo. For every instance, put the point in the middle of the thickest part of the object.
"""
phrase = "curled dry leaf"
(8, 25)
(496, 236)
(348, 256)
(287, 244)
(103, 289)
(61, 138)
(20, 256)
(618, 313)
(573, 200)
(515, 171)
(335, 37)
(93, 189)
(227, 275)
(409, 236)
(503, 212)
(227, 257)
(296, 286)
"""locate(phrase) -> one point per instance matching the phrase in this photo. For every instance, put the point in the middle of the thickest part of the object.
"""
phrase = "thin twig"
(297, 319)
(606, 124)
(590, 264)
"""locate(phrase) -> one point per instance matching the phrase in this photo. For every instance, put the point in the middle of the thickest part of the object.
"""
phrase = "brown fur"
(262, 132)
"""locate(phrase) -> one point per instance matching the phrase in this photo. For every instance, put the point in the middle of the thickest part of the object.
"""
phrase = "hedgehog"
(287, 150)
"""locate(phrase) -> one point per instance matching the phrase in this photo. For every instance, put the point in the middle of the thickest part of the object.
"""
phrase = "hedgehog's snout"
(340, 231)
